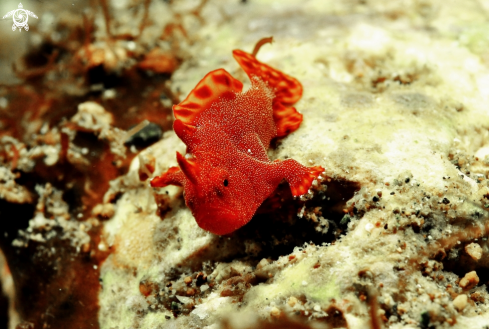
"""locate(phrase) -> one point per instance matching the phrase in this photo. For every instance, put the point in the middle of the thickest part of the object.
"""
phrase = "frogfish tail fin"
(287, 119)
(287, 91)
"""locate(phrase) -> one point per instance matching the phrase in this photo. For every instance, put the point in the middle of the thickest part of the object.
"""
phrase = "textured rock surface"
(394, 100)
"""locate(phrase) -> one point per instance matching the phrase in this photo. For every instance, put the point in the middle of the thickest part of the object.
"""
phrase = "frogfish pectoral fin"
(174, 176)
(299, 177)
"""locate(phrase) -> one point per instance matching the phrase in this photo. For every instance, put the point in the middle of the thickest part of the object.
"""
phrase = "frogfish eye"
(226, 183)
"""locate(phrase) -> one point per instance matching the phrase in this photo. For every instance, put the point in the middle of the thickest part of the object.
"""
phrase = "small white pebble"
(301, 213)
(102, 246)
(317, 308)
(460, 302)
(264, 262)
(44, 128)
(292, 301)
(131, 45)
(3, 102)
(95, 267)
(109, 94)
(304, 283)
(204, 287)
(474, 250)
(97, 87)
(369, 227)
(275, 312)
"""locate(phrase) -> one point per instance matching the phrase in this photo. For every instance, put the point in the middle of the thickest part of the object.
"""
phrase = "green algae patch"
(301, 279)
(115, 285)
(323, 292)
(122, 314)
(475, 38)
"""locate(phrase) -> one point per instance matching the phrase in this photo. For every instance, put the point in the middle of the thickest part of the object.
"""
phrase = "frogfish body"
(226, 173)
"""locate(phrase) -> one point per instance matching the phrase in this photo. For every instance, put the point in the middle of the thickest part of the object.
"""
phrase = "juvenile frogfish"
(226, 173)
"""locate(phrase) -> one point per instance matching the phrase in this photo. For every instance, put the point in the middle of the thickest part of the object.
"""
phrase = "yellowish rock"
(469, 281)
(275, 312)
(460, 302)
(292, 301)
(474, 250)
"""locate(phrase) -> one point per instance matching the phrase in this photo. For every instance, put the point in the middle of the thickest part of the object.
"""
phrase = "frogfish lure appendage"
(226, 174)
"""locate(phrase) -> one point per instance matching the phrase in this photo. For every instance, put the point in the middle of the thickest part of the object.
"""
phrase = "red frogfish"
(226, 173)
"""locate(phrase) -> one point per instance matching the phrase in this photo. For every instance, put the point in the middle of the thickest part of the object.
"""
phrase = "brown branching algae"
(393, 235)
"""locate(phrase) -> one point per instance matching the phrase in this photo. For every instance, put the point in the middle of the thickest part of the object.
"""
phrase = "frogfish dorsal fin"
(185, 132)
(216, 84)
(287, 90)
